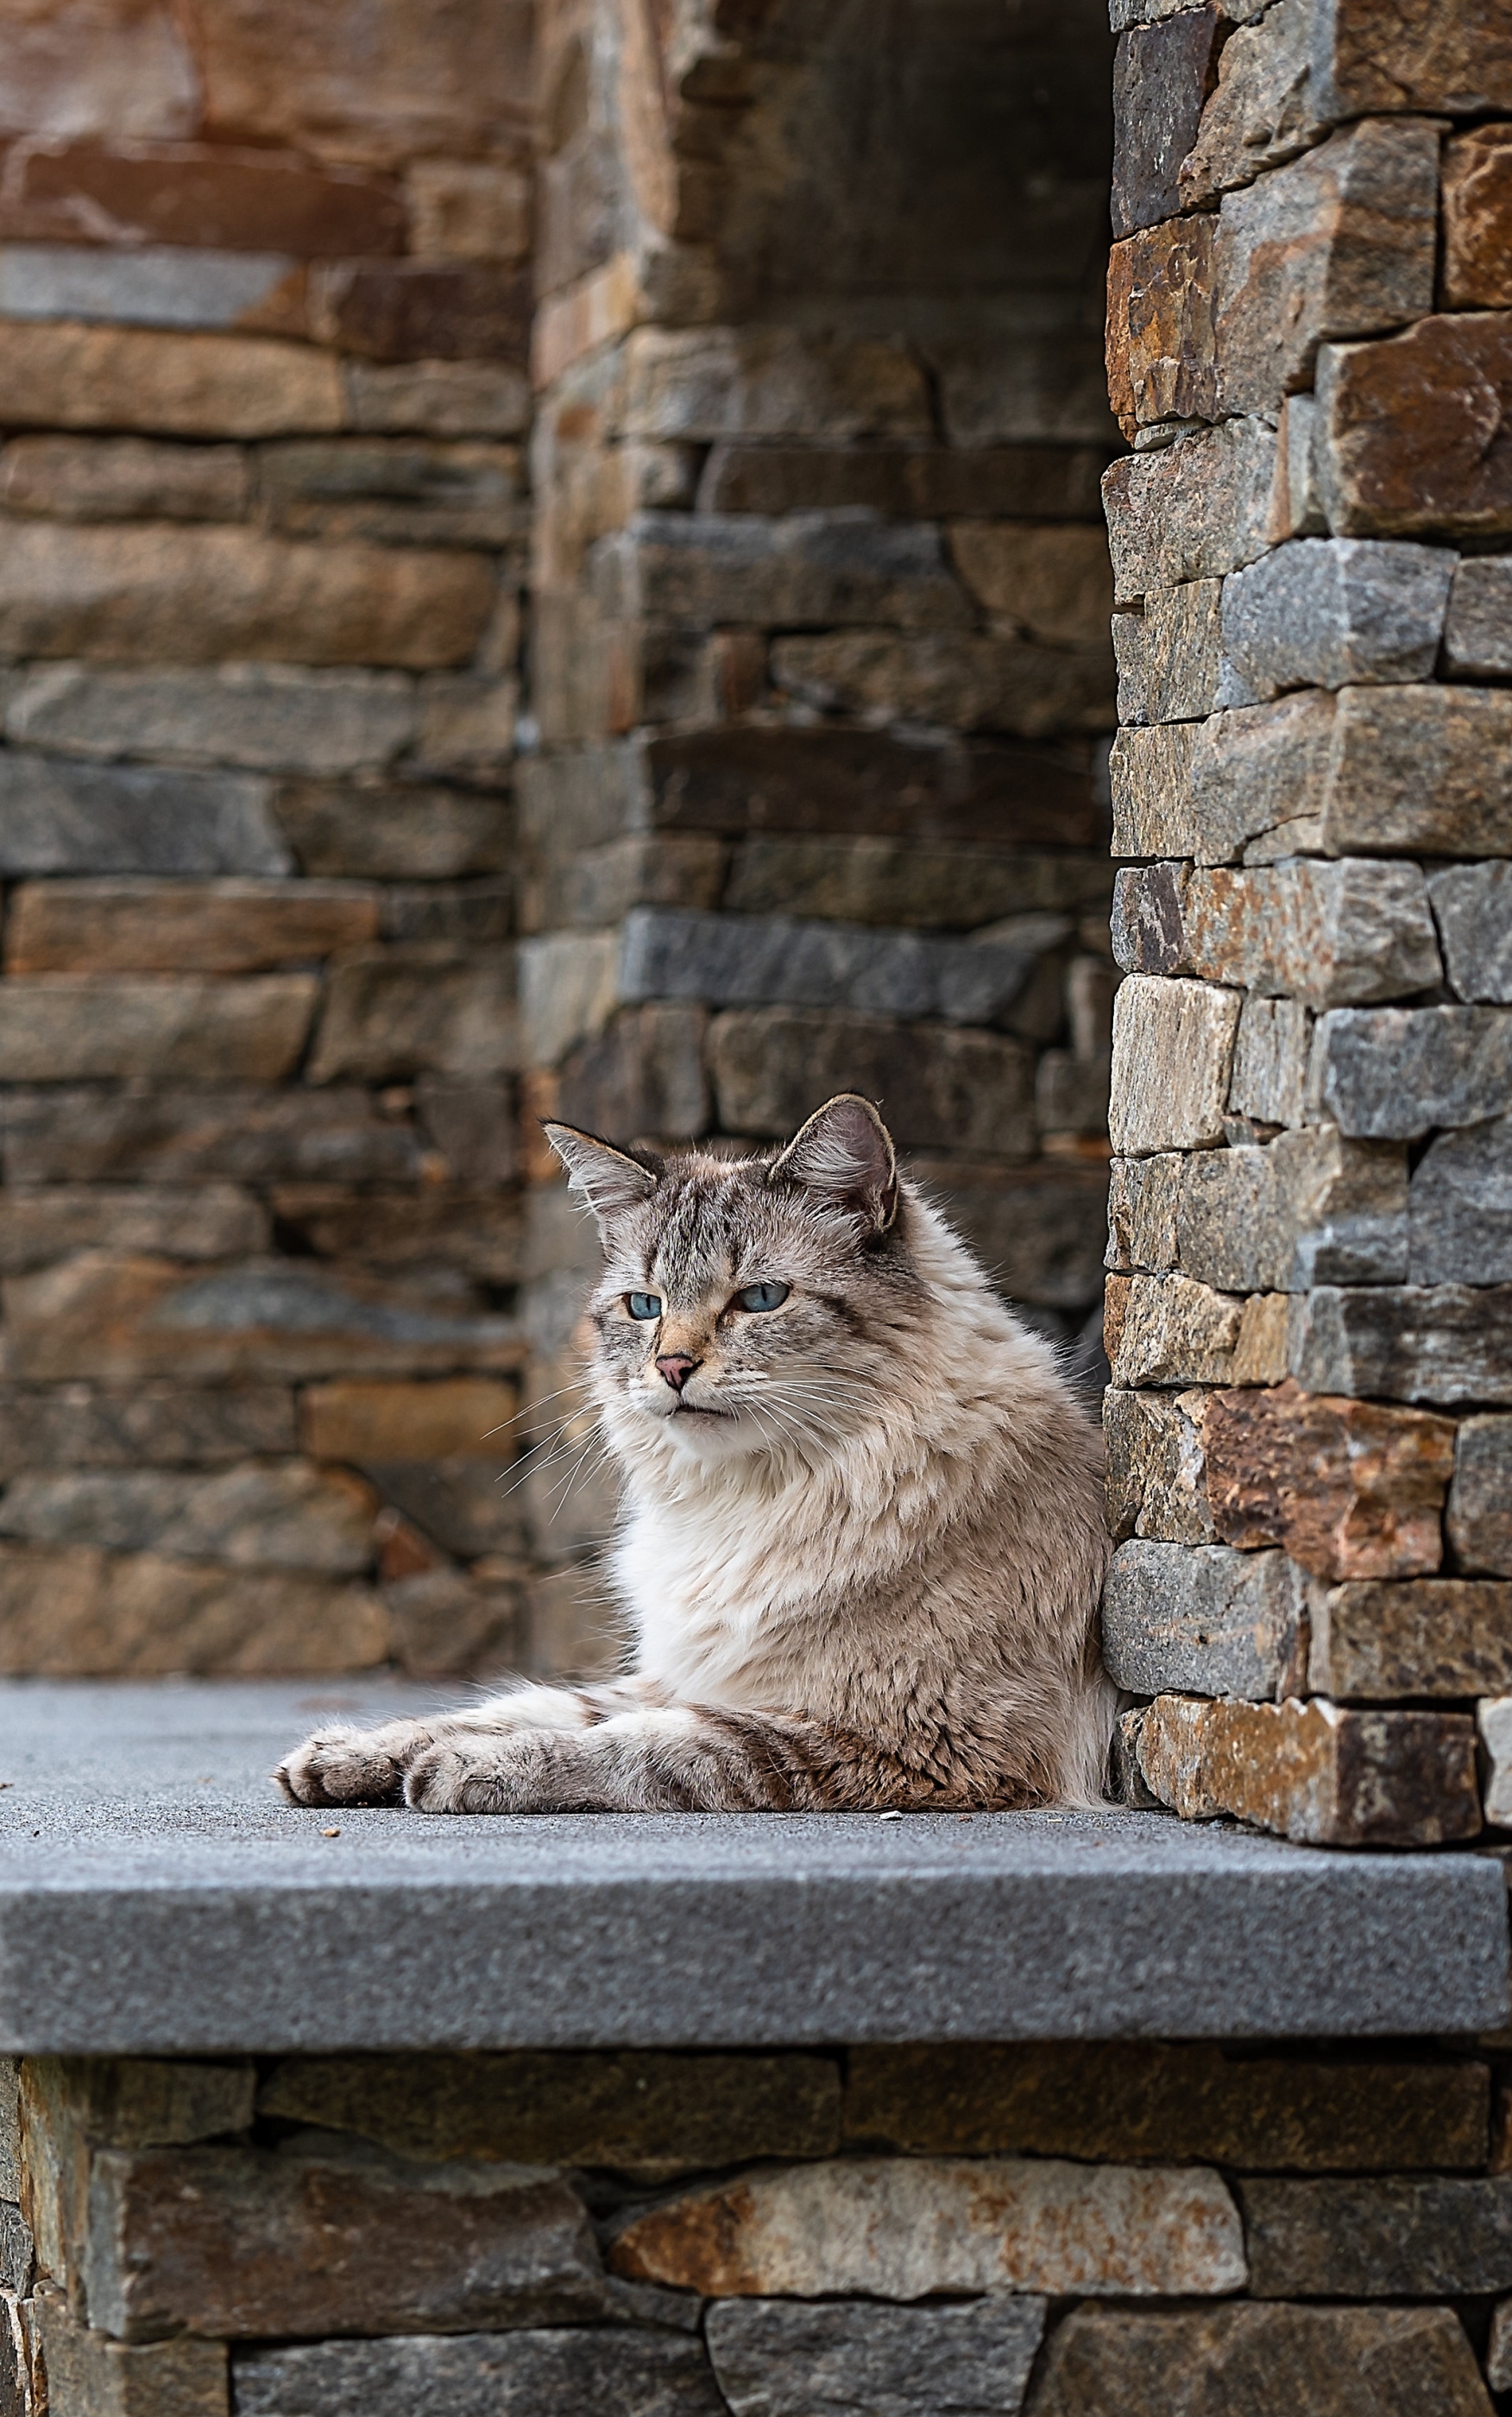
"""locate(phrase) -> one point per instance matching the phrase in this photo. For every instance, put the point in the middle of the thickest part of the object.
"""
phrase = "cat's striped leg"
(344, 1765)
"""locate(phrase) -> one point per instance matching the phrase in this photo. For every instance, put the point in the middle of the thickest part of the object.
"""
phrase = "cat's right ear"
(608, 1179)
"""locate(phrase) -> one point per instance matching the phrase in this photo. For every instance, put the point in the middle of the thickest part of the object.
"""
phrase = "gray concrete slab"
(155, 1895)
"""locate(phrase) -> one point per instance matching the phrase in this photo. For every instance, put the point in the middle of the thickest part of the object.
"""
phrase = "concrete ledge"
(156, 1896)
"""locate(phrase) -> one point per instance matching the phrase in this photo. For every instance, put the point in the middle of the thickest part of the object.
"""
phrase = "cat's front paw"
(348, 1766)
(464, 1775)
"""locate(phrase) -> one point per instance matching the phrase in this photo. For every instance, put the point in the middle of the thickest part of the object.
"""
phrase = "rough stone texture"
(1472, 908)
(1444, 1344)
(1349, 1489)
(1309, 1208)
(100, 2378)
(1477, 634)
(1443, 1637)
(61, 817)
(959, 1090)
(393, 1012)
(424, 834)
(1499, 2350)
(220, 927)
(1203, 1620)
(1170, 654)
(1397, 1073)
(772, 2359)
(900, 2229)
(1460, 1207)
(1154, 1445)
(1424, 2237)
(1329, 933)
(1402, 420)
(1477, 218)
(1272, 1051)
(1169, 1330)
(63, 375)
(251, 1517)
(964, 681)
(123, 478)
(1162, 75)
(1312, 1771)
(1493, 1721)
(1191, 510)
(1160, 363)
(1247, 2362)
(1479, 1518)
(1173, 1050)
(72, 1609)
(152, 1422)
(645, 2113)
(1420, 769)
(1326, 613)
(66, 1135)
(570, 2371)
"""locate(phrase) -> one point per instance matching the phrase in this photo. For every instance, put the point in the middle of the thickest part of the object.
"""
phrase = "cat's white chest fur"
(713, 1587)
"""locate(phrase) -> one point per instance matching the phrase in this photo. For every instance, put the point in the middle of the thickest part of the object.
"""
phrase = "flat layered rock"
(774, 2359)
(1246, 2361)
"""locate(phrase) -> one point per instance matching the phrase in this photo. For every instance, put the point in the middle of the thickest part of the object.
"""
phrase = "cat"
(862, 1544)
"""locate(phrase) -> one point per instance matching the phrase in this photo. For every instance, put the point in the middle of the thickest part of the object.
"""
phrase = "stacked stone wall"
(1059, 2230)
(1309, 1309)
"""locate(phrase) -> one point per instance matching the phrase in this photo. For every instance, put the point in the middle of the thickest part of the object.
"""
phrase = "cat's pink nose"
(676, 1367)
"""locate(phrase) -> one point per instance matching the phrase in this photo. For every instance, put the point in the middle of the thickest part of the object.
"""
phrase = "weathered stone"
(1135, 2100)
(393, 491)
(1494, 1720)
(1326, 612)
(421, 310)
(256, 201)
(649, 2114)
(1262, 111)
(467, 727)
(1171, 654)
(466, 916)
(1350, 1490)
(1259, 775)
(1395, 1072)
(946, 1089)
(1039, 1229)
(392, 1013)
(77, 1426)
(80, 1028)
(1193, 510)
(1163, 73)
(58, 1134)
(644, 1075)
(1247, 2362)
(461, 209)
(123, 478)
(1144, 1195)
(1404, 450)
(66, 375)
(1012, 483)
(213, 1223)
(1339, 243)
(1477, 218)
(354, 1419)
(1420, 770)
(1052, 582)
(813, 566)
(162, 285)
(1479, 1519)
(1329, 933)
(1203, 1620)
(1169, 1330)
(1420, 2236)
(1472, 907)
(273, 716)
(571, 2372)
(61, 817)
(963, 681)
(1460, 1207)
(569, 991)
(1308, 1208)
(138, 594)
(700, 384)
(1172, 1049)
(774, 2358)
(127, 2102)
(218, 927)
(477, 1233)
(437, 398)
(601, 885)
(1438, 1637)
(72, 1611)
(1444, 1343)
(394, 835)
(1272, 1052)
(255, 1516)
(1499, 2350)
(1154, 1445)
(88, 2372)
(240, 2242)
(1477, 633)
(1314, 1772)
(118, 1318)
(898, 2228)
(1149, 774)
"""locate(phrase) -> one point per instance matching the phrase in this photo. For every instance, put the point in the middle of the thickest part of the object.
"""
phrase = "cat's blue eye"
(762, 1296)
(643, 1304)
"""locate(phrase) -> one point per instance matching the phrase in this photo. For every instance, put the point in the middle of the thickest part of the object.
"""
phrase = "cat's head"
(750, 1305)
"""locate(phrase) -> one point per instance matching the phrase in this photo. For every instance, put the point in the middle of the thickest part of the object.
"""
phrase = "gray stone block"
(1327, 612)
(1427, 2236)
(1251, 2362)
(1193, 509)
(1478, 1520)
(1271, 1050)
(780, 2358)
(1259, 779)
(760, 960)
(67, 1134)
(57, 816)
(1433, 1343)
(259, 717)
(1459, 1210)
(1396, 1073)
(156, 285)
(1205, 1620)
(394, 835)
(1477, 635)
(555, 2372)
(806, 568)
(1312, 1208)
(76, 1426)
(946, 1088)
(1473, 904)
(278, 1516)
(1169, 655)
(1144, 1195)
(17, 2250)
(1155, 1467)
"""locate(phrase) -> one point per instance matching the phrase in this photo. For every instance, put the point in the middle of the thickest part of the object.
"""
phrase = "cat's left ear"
(844, 1152)
(609, 1180)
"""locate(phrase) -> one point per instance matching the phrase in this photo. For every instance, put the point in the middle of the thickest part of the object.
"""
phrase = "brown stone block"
(116, 68)
(413, 311)
(394, 835)
(888, 881)
(1350, 1489)
(83, 1027)
(1052, 583)
(458, 1416)
(1439, 1637)
(1421, 2236)
(963, 681)
(1124, 2100)
(1003, 482)
(696, 385)
(644, 1075)
(63, 374)
(1154, 1443)
(1407, 55)
(1419, 769)
(943, 1088)
(1192, 510)
(214, 1221)
(1173, 1050)
(193, 595)
(1477, 220)
(216, 927)
(653, 2114)
(89, 2373)
(187, 193)
(61, 1133)
(437, 398)
(1173, 1331)
(72, 1611)
(448, 1625)
(466, 209)
(1480, 1498)
(1314, 1772)
(394, 1012)
(1162, 75)
(1160, 355)
(476, 1232)
(1403, 428)
(80, 1427)
(1251, 2362)
(123, 478)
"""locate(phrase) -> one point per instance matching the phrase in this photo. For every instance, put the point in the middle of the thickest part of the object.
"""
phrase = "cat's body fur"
(861, 1560)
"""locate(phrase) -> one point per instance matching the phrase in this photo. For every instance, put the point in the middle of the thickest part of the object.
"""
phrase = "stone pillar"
(819, 650)
(1310, 1312)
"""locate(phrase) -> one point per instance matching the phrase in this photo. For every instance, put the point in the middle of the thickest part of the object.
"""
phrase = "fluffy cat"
(862, 1542)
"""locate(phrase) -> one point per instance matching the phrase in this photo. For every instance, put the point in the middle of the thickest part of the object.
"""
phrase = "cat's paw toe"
(340, 1767)
(451, 1779)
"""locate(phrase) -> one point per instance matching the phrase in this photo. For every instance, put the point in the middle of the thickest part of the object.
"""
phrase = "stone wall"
(1310, 1312)
(1063, 2230)
(263, 324)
